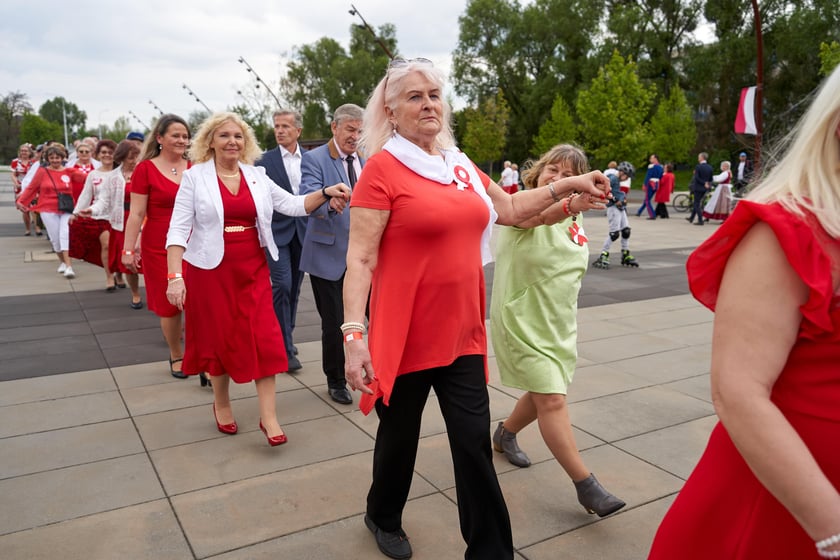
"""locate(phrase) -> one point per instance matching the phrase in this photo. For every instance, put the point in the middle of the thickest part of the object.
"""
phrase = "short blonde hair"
(200, 150)
(568, 154)
(807, 175)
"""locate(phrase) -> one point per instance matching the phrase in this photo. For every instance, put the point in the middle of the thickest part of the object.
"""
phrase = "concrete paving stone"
(67, 447)
(542, 500)
(177, 393)
(231, 458)
(255, 510)
(138, 353)
(143, 532)
(616, 417)
(598, 380)
(36, 304)
(675, 449)
(596, 329)
(81, 342)
(697, 334)
(620, 537)
(51, 364)
(627, 346)
(139, 322)
(60, 386)
(68, 493)
(668, 320)
(139, 375)
(670, 365)
(42, 332)
(431, 523)
(40, 416)
(632, 308)
(189, 425)
(699, 387)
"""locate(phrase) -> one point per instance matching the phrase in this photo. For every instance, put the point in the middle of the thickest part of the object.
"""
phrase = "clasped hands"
(340, 196)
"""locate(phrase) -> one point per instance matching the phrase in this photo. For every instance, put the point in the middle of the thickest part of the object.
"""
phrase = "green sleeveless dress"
(533, 307)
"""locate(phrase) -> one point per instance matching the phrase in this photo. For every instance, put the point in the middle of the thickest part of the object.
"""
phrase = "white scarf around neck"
(443, 171)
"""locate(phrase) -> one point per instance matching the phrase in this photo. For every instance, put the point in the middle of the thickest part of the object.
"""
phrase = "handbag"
(65, 201)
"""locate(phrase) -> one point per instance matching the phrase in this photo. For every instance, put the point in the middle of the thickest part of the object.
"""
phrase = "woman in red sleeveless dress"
(768, 484)
(154, 184)
(220, 226)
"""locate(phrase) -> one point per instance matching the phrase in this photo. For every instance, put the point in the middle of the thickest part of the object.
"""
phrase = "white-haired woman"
(220, 225)
(420, 224)
(768, 484)
(720, 205)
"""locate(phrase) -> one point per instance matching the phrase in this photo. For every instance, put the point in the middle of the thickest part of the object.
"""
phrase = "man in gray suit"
(282, 165)
(324, 254)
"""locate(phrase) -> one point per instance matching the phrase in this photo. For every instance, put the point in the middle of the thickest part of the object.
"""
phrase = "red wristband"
(351, 336)
(174, 275)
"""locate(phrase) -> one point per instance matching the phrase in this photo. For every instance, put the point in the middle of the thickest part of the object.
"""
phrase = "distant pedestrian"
(663, 193)
(701, 182)
(720, 204)
(651, 184)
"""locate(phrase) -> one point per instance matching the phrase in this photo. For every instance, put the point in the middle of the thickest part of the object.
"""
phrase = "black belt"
(126, 206)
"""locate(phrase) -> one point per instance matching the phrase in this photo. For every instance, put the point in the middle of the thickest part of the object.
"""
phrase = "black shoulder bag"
(65, 201)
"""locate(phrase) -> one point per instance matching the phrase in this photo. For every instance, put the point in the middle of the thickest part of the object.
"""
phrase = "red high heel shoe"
(273, 440)
(228, 429)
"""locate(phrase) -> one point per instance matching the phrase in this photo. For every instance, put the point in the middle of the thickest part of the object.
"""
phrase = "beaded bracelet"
(350, 337)
(567, 205)
(352, 326)
(827, 542)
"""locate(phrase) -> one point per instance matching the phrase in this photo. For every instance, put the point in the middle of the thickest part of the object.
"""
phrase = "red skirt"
(229, 321)
(115, 247)
(84, 239)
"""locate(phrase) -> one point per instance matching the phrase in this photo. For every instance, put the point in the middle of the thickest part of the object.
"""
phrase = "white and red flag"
(745, 120)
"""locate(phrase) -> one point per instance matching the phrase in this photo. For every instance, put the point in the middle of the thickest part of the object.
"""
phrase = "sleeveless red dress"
(230, 325)
(723, 511)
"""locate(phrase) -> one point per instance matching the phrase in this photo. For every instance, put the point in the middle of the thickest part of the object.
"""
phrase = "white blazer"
(198, 216)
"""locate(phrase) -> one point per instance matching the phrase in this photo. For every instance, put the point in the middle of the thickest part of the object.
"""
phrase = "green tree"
(115, 132)
(55, 110)
(484, 138)
(613, 113)
(672, 129)
(37, 130)
(13, 106)
(829, 57)
(323, 76)
(560, 127)
(532, 53)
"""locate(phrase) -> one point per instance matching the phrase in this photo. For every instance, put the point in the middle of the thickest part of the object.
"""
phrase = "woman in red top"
(420, 225)
(154, 185)
(768, 483)
(20, 165)
(47, 183)
(663, 193)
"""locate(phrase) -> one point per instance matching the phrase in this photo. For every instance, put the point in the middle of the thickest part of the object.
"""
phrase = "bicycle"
(683, 202)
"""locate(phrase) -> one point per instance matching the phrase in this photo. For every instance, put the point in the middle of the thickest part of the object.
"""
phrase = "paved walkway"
(103, 455)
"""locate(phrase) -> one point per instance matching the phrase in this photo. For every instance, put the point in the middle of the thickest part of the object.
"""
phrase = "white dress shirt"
(291, 161)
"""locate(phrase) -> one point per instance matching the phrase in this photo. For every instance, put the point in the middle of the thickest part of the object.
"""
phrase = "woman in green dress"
(533, 322)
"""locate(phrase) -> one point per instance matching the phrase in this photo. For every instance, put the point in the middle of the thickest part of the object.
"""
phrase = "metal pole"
(355, 12)
(192, 93)
(64, 114)
(152, 103)
(759, 89)
(259, 80)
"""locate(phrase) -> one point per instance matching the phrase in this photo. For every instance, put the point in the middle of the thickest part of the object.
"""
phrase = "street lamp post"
(152, 103)
(759, 87)
(192, 94)
(259, 80)
(356, 12)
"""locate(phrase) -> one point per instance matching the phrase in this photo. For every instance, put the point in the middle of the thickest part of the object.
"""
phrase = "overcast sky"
(112, 57)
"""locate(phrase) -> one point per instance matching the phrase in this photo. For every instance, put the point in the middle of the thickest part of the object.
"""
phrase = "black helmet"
(627, 168)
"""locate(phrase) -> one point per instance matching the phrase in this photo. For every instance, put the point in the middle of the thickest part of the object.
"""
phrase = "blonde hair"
(377, 129)
(200, 150)
(567, 154)
(807, 176)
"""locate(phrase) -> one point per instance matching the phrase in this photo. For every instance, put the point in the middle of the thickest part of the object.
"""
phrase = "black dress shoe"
(391, 544)
(294, 350)
(138, 305)
(341, 395)
(294, 364)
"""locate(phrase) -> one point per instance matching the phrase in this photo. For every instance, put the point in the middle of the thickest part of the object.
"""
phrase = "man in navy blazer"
(282, 165)
(700, 184)
(327, 233)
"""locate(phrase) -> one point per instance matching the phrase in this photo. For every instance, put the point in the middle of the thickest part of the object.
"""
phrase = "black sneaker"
(393, 544)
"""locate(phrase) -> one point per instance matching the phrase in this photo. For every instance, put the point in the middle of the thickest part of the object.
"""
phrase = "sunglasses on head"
(402, 62)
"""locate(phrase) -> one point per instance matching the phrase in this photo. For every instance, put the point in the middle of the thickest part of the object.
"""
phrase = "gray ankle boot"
(505, 442)
(595, 497)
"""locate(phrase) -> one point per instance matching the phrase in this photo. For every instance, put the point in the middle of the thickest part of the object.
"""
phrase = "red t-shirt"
(428, 296)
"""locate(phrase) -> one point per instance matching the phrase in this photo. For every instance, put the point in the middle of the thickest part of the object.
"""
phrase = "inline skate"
(627, 259)
(603, 260)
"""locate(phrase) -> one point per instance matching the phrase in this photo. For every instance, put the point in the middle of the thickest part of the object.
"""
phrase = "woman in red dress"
(154, 184)
(113, 204)
(768, 484)
(220, 225)
(89, 236)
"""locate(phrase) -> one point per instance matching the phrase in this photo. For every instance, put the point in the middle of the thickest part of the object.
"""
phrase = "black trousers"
(329, 300)
(697, 209)
(461, 391)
